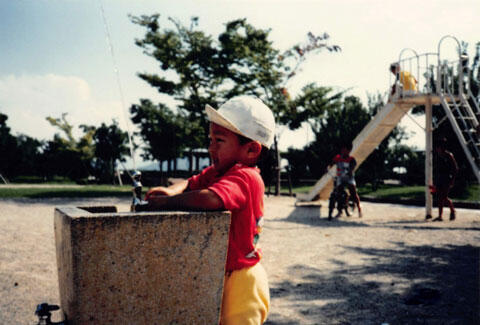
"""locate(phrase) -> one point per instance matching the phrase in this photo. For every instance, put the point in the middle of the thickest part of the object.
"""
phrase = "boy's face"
(225, 148)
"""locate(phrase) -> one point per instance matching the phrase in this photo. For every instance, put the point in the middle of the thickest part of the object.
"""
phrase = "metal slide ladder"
(462, 117)
(366, 141)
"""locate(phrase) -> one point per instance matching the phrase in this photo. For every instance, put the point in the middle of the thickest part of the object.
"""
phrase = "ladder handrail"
(459, 133)
(470, 111)
(470, 95)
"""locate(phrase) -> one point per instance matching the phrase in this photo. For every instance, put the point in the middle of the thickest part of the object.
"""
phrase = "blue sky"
(55, 57)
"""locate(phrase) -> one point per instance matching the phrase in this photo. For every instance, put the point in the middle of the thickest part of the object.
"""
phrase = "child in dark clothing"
(445, 172)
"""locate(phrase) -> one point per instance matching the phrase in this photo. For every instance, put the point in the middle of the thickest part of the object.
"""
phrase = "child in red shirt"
(239, 131)
(345, 174)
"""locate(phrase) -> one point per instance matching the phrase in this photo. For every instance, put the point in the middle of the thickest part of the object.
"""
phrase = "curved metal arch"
(440, 43)
(406, 49)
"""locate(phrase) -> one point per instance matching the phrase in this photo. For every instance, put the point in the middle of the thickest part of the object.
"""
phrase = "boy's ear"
(254, 149)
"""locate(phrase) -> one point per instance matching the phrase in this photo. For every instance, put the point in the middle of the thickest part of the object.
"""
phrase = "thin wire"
(421, 127)
(117, 74)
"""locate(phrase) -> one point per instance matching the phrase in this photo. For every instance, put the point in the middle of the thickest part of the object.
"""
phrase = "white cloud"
(29, 99)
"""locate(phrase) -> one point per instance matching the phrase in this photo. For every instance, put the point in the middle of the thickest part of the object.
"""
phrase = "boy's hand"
(157, 200)
(158, 191)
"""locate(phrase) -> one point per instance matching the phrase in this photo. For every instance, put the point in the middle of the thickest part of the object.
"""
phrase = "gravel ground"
(389, 267)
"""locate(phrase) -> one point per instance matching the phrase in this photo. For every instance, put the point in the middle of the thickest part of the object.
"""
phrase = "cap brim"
(217, 118)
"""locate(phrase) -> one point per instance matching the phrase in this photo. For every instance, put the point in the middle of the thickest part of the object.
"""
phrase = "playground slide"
(363, 145)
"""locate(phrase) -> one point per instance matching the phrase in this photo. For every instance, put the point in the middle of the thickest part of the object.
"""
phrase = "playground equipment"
(446, 84)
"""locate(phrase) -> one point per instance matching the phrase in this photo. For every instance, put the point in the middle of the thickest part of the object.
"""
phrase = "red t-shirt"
(345, 165)
(241, 190)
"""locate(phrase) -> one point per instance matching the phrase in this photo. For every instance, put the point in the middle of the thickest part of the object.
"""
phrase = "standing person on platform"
(241, 130)
(446, 170)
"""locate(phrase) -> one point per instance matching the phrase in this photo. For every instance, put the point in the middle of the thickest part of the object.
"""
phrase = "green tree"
(19, 153)
(27, 155)
(339, 124)
(67, 156)
(404, 157)
(161, 130)
(111, 144)
(198, 69)
(8, 149)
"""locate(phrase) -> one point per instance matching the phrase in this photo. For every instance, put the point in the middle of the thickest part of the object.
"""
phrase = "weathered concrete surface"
(140, 268)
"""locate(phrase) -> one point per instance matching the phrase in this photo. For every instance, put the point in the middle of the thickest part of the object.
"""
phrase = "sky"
(56, 58)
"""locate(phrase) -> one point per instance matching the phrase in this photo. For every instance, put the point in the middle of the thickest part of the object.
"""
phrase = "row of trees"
(95, 153)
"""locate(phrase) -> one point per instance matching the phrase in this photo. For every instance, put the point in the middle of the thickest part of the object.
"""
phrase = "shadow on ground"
(311, 216)
(430, 286)
(423, 225)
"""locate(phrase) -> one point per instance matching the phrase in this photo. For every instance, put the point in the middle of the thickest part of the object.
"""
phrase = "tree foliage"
(110, 146)
(19, 154)
(196, 69)
(8, 147)
(338, 122)
(161, 130)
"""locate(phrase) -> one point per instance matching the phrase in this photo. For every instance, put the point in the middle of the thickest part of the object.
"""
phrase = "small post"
(428, 157)
(119, 177)
(3, 179)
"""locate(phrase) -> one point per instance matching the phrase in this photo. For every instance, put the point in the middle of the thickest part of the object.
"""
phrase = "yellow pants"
(246, 297)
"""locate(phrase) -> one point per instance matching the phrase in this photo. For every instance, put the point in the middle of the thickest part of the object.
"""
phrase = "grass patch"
(400, 192)
(395, 192)
(383, 192)
(39, 180)
(65, 192)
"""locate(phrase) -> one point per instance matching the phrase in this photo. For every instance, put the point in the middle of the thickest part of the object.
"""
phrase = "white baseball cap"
(247, 116)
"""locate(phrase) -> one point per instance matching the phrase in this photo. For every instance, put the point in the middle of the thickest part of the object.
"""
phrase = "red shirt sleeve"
(232, 189)
(202, 180)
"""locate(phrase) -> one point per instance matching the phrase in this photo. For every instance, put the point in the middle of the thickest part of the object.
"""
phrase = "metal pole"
(428, 157)
(3, 179)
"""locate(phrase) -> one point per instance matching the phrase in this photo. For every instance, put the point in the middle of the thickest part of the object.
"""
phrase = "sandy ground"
(390, 267)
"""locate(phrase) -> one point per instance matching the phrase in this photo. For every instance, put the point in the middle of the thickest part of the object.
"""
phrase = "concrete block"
(142, 267)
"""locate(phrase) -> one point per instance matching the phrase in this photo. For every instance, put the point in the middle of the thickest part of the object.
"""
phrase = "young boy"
(345, 176)
(239, 130)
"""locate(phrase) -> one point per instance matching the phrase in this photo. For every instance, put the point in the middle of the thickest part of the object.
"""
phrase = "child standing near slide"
(345, 176)
(240, 130)
(446, 170)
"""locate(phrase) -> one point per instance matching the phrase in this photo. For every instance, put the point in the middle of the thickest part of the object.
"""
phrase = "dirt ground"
(389, 267)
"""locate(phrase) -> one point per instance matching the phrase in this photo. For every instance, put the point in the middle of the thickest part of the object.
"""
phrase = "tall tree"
(8, 148)
(198, 70)
(339, 124)
(27, 154)
(67, 156)
(161, 131)
(111, 145)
